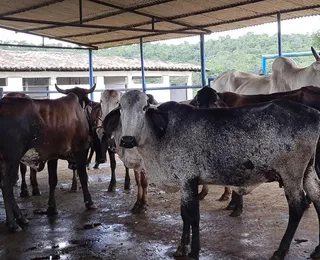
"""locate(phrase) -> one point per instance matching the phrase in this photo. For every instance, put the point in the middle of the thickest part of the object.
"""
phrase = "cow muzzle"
(128, 142)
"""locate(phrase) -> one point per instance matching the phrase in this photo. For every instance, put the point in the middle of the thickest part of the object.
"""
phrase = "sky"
(300, 25)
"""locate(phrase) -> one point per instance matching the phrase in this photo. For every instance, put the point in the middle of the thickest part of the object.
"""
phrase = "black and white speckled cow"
(236, 147)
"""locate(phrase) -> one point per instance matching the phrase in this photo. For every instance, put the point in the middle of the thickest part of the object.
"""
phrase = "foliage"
(225, 53)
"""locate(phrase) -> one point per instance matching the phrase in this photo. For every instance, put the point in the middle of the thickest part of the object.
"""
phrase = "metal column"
(142, 66)
(203, 61)
(90, 72)
(279, 34)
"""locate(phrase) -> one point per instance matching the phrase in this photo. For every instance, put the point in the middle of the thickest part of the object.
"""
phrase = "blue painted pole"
(142, 66)
(264, 65)
(279, 34)
(203, 61)
(90, 72)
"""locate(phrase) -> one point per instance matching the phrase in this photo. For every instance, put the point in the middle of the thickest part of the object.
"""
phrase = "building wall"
(16, 81)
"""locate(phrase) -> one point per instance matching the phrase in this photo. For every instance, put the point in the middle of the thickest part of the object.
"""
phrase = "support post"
(264, 65)
(203, 61)
(80, 11)
(142, 66)
(90, 73)
(279, 34)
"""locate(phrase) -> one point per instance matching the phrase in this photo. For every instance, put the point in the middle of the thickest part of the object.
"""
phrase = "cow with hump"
(109, 101)
(39, 131)
(191, 146)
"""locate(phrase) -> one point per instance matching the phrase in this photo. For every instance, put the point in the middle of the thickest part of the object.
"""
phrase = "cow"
(286, 75)
(208, 98)
(239, 147)
(35, 132)
(242, 83)
(23, 169)
(109, 101)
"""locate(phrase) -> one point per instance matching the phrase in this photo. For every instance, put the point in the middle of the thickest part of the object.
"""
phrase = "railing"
(274, 56)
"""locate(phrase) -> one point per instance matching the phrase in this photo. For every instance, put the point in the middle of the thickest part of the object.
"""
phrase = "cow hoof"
(316, 253)
(73, 189)
(277, 255)
(52, 211)
(112, 188)
(236, 213)
(96, 166)
(224, 198)
(202, 195)
(231, 206)
(14, 228)
(181, 251)
(193, 256)
(24, 194)
(127, 186)
(90, 205)
(36, 192)
(23, 222)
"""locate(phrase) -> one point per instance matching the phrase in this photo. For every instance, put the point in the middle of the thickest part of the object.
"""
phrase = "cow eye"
(145, 108)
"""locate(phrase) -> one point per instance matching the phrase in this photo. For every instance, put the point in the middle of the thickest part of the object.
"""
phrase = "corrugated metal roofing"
(70, 61)
(108, 23)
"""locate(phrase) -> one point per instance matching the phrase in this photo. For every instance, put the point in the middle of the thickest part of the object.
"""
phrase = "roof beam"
(173, 18)
(31, 8)
(109, 14)
(158, 18)
(50, 37)
(42, 46)
(215, 24)
(95, 26)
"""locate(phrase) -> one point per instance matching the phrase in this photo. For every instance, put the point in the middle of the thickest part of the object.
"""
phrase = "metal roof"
(108, 23)
(71, 61)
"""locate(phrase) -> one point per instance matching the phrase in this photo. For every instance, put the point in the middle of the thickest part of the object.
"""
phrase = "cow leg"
(113, 181)
(74, 186)
(9, 173)
(226, 194)
(90, 157)
(24, 187)
(135, 209)
(34, 182)
(53, 180)
(311, 185)
(204, 192)
(232, 203)
(127, 180)
(83, 176)
(297, 205)
(98, 150)
(237, 204)
(144, 200)
(190, 214)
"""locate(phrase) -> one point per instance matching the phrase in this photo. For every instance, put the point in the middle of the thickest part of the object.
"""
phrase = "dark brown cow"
(39, 131)
(23, 168)
(208, 98)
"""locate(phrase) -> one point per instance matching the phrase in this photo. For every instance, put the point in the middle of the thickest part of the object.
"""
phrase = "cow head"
(109, 100)
(133, 114)
(207, 98)
(316, 65)
(81, 93)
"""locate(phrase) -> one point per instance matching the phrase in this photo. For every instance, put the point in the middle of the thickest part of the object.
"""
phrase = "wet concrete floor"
(112, 232)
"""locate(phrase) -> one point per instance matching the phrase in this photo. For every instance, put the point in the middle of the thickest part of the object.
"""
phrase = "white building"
(40, 71)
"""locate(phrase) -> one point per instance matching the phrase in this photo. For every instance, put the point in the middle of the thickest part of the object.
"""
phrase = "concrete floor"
(112, 232)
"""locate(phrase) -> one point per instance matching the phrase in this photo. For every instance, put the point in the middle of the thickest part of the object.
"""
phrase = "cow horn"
(63, 91)
(315, 54)
(91, 89)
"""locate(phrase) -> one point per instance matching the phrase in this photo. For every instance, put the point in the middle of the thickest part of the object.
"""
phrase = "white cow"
(286, 75)
(242, 83)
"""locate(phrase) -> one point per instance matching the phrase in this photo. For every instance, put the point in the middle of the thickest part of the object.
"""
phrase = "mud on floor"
(112, 232)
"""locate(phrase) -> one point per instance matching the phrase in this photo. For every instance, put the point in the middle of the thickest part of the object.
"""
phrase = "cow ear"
(111, 121)
(194, 101)
(159, 120)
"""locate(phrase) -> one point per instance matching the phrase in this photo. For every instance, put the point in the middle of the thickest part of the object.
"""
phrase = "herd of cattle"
(221, 137)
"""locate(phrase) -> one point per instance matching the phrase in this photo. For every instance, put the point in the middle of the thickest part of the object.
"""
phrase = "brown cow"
(39, 131)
